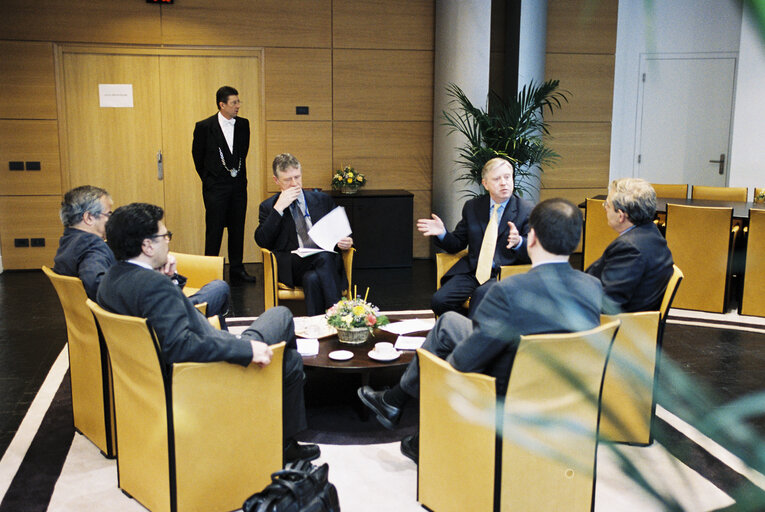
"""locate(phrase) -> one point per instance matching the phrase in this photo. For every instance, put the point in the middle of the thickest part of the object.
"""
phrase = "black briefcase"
(299, 487)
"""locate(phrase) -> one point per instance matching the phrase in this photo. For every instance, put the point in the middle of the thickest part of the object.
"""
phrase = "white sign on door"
(115, 95)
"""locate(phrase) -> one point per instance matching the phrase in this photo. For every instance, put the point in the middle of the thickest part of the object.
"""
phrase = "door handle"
(721, 161)
(160, 170)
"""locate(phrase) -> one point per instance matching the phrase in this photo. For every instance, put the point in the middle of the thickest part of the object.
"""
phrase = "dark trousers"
(454, 292)
(321, 277)
(225, 207)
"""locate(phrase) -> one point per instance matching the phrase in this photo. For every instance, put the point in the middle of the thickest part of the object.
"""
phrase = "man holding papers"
(284, 222)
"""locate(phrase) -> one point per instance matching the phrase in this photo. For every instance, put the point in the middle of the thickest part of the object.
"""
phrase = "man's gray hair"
(80, 200)
(635, 197)
(283, 162)
(492, 164)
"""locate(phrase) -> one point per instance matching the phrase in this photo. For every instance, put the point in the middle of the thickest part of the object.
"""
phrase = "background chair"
(455, 475)
(190, 436)
(679, 191)
(597, 233)
(198, 270)
(701, 244)
(753, 297)
(511, 270)
(719, 193)
(88, 365)
(445, 261)
(274, 291)
(554, 390)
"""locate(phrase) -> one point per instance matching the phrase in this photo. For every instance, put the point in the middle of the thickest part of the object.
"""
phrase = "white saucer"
(340, 355)
(378, 357)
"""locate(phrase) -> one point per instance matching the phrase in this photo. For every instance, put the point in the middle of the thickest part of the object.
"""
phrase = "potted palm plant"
(512, 130)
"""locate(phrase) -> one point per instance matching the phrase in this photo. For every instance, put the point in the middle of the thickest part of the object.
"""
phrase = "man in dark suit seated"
(551, 297)
(636, 267)
(493, 227)
(285, 220)
(133, 286)
(82, 251)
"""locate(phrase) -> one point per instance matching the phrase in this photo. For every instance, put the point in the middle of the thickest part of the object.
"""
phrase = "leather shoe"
(293, 451)
(386, 414)
(241, 276)
(410, 447)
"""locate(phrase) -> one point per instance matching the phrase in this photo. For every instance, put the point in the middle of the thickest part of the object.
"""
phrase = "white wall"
(747, 164)
(662, 26)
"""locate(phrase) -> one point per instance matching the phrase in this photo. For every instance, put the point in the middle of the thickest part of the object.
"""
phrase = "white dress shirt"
(227, 125)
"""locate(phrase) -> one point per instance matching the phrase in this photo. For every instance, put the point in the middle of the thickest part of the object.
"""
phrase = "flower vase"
(353, 336)
(351, 188)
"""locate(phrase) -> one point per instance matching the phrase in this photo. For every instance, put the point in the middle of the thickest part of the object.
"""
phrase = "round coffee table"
(360, 362)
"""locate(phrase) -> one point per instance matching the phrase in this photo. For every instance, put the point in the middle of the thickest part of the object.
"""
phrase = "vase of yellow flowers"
(355, 319)
(347, 180)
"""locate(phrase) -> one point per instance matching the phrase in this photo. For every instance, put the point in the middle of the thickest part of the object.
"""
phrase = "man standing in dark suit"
(551, 297)
(140, 241)
(284, 222)
(493, 228)
(220, 150)
(636, 267)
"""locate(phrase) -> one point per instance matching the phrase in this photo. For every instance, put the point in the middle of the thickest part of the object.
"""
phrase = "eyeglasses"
(106, 214)
(168, 235)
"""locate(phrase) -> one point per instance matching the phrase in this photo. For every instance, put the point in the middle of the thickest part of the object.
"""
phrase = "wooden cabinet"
(382, 226)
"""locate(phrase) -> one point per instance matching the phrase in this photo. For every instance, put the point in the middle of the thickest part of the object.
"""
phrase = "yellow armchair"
(198, 270)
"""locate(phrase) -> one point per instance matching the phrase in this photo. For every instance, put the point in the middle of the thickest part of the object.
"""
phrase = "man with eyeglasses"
(133, 286)
(83, 253)
(636, 267)
(493, 228)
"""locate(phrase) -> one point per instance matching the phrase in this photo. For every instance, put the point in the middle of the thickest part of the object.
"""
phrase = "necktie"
(486, 256)
(301, 226)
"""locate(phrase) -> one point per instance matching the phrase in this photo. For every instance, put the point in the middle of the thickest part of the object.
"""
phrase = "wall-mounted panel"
(28, 218)
(392, 155)
(575, 195)
(589, 79)
(310, 142)
(106, 21)
(382, 85)
(581, 26)
(585, 153)
(27, 80)
(297, 23)
(298, 78)
(388, 24)
(35, 144)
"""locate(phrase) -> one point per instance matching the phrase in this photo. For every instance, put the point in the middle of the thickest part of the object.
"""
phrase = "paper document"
(407, 326)
(303, 252)
(409, 342)
(313, 327)
(307, 347)
(330, 229)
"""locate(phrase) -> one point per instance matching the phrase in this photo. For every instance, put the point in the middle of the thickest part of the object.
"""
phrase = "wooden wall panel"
(296, 23)
(30, 141)
(590, 79)
(29, 217)
(389, 24)
(585, 153)
(391, 154)
(27, 80)
(105, 21)
(382, 85)
(581, 26)
(298, 77)
(310, 142)
(421, 246)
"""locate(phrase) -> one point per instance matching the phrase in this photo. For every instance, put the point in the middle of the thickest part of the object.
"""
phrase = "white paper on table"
(308, 346)
(409, 342)
(308, 251)
(412, 325)
(330, 229)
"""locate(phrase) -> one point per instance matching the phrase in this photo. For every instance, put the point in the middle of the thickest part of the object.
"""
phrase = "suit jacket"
(208, 137)
(84, 255)
(550, 298)
(470, 229)
(635, 269)
(183, 332)
(278, 233)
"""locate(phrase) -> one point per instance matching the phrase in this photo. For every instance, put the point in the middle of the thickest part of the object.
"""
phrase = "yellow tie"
(486, 256)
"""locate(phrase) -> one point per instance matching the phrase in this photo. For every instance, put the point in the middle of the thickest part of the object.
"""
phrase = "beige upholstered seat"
(511, 270)
(753, 298)
(701, 243)
(719, 193)
(673, 191)
(597, 233)
(198, 270)
(274, 291)
(191, 436)
(88, 365)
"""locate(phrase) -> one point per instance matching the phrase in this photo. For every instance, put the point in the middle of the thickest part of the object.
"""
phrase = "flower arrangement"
(760, 198)
(348, 178)
(355, 313)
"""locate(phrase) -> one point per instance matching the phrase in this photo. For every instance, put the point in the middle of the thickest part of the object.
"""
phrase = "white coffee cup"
(384, 348)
